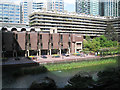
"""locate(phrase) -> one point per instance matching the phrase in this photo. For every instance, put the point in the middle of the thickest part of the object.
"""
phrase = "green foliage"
(107, 79)
(80, 82)
(88, 38)
(48, 83)
(110, 32)
(98, 43)
(73, 65)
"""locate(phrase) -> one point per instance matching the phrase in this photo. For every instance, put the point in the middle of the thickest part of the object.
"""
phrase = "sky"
(69, 5)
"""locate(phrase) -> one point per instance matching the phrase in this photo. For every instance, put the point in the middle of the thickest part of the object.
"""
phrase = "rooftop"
(72, 14)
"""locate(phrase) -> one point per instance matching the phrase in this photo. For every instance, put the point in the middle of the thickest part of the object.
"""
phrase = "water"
(60, 77)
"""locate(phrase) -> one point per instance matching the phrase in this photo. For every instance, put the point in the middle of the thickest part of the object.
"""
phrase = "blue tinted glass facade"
(58, 5)
(9, 13)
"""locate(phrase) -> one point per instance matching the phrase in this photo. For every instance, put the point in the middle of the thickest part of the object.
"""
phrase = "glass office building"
(87, 7)
(94, 7)
(25, 10)
(37, 6)
(27, 7)
(99, 7)
(57, 5)
(83, 6)
(111, 8)
(9, 13)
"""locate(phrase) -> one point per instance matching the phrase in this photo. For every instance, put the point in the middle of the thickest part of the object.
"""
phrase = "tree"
(80, 82)
(110, 32)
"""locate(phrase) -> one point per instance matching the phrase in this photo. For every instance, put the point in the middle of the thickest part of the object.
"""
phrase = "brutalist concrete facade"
(26, 43)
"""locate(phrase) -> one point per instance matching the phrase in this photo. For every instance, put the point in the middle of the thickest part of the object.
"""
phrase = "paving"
(49, 59)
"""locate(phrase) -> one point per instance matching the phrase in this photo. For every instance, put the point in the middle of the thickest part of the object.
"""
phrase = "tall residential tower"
(111, 8)
(9, 12)
(83, 6)
(99, 7)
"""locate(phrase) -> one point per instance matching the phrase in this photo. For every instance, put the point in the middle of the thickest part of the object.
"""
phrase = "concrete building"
(31, 42)
(28, 6)
(11, 25)
(9, 12)
(70, 23)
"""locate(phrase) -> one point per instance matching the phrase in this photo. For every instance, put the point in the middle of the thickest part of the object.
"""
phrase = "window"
(17, 18)
(40, 37)
(12, 15)
(11, 11)
(11, 8)
(61, 38)
(69, 44)
(51, 38)
(5, 5)
(61, 45)
(17, 12)
(51, 45)
(41, 45)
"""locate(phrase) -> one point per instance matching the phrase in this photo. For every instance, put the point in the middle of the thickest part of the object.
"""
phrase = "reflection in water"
(60, 77)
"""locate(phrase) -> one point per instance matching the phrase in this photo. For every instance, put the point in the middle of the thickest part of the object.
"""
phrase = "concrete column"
(81, 45)
(39, 52)
(68, 50)
(60, 51)
(28, 53)
(50, 52)
(75, 48)
(25, 53)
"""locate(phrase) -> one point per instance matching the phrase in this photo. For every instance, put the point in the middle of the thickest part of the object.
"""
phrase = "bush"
(48, 83)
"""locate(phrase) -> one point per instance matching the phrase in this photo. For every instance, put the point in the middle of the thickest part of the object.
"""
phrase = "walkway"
(49, 59)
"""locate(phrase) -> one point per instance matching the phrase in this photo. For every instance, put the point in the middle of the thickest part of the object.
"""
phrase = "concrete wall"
(27, 41)
(45, 40)
(33, 40)
(21, 40)
(55, 41)
(65, 41)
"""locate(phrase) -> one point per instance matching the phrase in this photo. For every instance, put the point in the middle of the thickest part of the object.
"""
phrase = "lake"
(60, 77)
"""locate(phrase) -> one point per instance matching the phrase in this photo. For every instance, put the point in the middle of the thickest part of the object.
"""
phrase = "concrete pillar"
(28, 53)
(75, 48)
(39, 52)
(50, 52)
(81, 45)
(60, 51)
(25, 53)
(68, 50)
